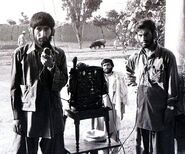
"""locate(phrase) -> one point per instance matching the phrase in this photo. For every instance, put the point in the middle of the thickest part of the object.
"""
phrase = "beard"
(43, 42)
(147, 44)
(107, 70)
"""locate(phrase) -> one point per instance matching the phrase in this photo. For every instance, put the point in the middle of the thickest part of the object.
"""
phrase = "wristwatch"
(170, 107)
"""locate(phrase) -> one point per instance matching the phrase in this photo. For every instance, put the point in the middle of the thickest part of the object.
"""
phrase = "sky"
(11, 9)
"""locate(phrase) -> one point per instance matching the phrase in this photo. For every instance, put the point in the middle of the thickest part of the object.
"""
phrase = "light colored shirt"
(117, 98)
(157, 79)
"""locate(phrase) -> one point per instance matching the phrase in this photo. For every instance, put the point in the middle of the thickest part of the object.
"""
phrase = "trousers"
(29, 145)
(161, 142)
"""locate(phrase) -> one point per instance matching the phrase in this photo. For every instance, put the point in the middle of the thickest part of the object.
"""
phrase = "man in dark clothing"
(39, 72)
(154, 70)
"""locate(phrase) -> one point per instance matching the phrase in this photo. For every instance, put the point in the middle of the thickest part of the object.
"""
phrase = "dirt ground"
(6, 119)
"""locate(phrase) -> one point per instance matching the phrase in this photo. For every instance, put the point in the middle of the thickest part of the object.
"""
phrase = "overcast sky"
(11, 9)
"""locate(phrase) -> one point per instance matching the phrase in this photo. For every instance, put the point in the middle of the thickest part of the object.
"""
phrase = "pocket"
(29, 97)
(24, 93)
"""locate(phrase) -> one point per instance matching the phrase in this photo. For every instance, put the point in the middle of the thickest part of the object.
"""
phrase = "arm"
(60, 74)
(172, 89)
(172, 82)
(124, 96)
(130, 71)
(15, 91)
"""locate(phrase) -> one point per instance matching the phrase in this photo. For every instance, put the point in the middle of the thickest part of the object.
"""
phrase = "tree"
(137, 10)
(123, 24)
(11, 23)
(24, 20)
(109, 22)
(78, 11)
(99, 22)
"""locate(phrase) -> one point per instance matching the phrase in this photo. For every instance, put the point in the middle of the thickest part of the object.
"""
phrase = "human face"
(42, 35)
(145, 38)
(107, 68)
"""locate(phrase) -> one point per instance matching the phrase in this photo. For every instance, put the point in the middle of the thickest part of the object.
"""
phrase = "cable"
(122, 143)
(115, 128)
(130, 132)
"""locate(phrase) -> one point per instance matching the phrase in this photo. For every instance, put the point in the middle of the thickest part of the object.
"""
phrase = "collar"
(109, 74)
(156, 52)
(31, 48)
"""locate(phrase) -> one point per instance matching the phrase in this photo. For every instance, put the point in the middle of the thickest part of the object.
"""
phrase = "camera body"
(47, 51)
(86, 87)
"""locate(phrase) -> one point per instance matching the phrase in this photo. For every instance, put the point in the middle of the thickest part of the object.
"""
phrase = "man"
(154, 70)
(22, 39)
(116, 99)
(39, 72)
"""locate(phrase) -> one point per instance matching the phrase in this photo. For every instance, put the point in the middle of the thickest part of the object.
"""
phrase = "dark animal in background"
(98, 43)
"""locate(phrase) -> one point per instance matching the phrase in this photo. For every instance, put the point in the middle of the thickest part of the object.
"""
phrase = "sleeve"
(124, 91)
(130, 71)
(15, 91)
(60, 74)
(120, 95)
(172, 82)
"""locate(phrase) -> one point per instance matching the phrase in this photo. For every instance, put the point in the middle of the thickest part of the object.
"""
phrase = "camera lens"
(47, 51)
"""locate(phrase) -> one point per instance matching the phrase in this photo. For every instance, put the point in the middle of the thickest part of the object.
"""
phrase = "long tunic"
(116, 100)
(35, 91)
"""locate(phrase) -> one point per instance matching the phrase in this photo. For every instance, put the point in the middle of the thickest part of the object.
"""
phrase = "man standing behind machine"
(116, 100)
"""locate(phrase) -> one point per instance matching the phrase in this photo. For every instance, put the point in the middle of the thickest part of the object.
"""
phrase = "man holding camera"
(39, 72)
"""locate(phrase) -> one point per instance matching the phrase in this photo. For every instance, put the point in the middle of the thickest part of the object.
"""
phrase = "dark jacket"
(35, 91)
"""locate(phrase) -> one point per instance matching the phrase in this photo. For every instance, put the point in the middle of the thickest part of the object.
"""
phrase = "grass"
(90, 57)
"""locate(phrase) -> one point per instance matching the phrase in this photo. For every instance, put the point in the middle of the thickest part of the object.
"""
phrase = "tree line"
(121, 24)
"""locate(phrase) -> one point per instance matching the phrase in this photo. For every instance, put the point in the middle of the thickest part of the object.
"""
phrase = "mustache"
(43, 39)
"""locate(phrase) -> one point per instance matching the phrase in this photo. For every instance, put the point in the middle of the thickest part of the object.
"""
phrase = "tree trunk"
(102, 33)
(12, 33)
(79, 39)
(78, 29)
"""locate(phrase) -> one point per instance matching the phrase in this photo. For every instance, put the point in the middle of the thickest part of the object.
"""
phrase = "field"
(86, 55)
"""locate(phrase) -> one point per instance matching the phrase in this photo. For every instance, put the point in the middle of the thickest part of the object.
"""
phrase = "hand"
(168, 116)
(122, 110)
(122, 115)
(18, 127)
(47, 60)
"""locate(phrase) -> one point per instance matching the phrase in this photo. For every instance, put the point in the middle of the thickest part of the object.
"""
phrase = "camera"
(47, 51)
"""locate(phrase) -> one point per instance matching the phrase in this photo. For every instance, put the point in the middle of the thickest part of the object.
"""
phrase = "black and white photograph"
(92, 77)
